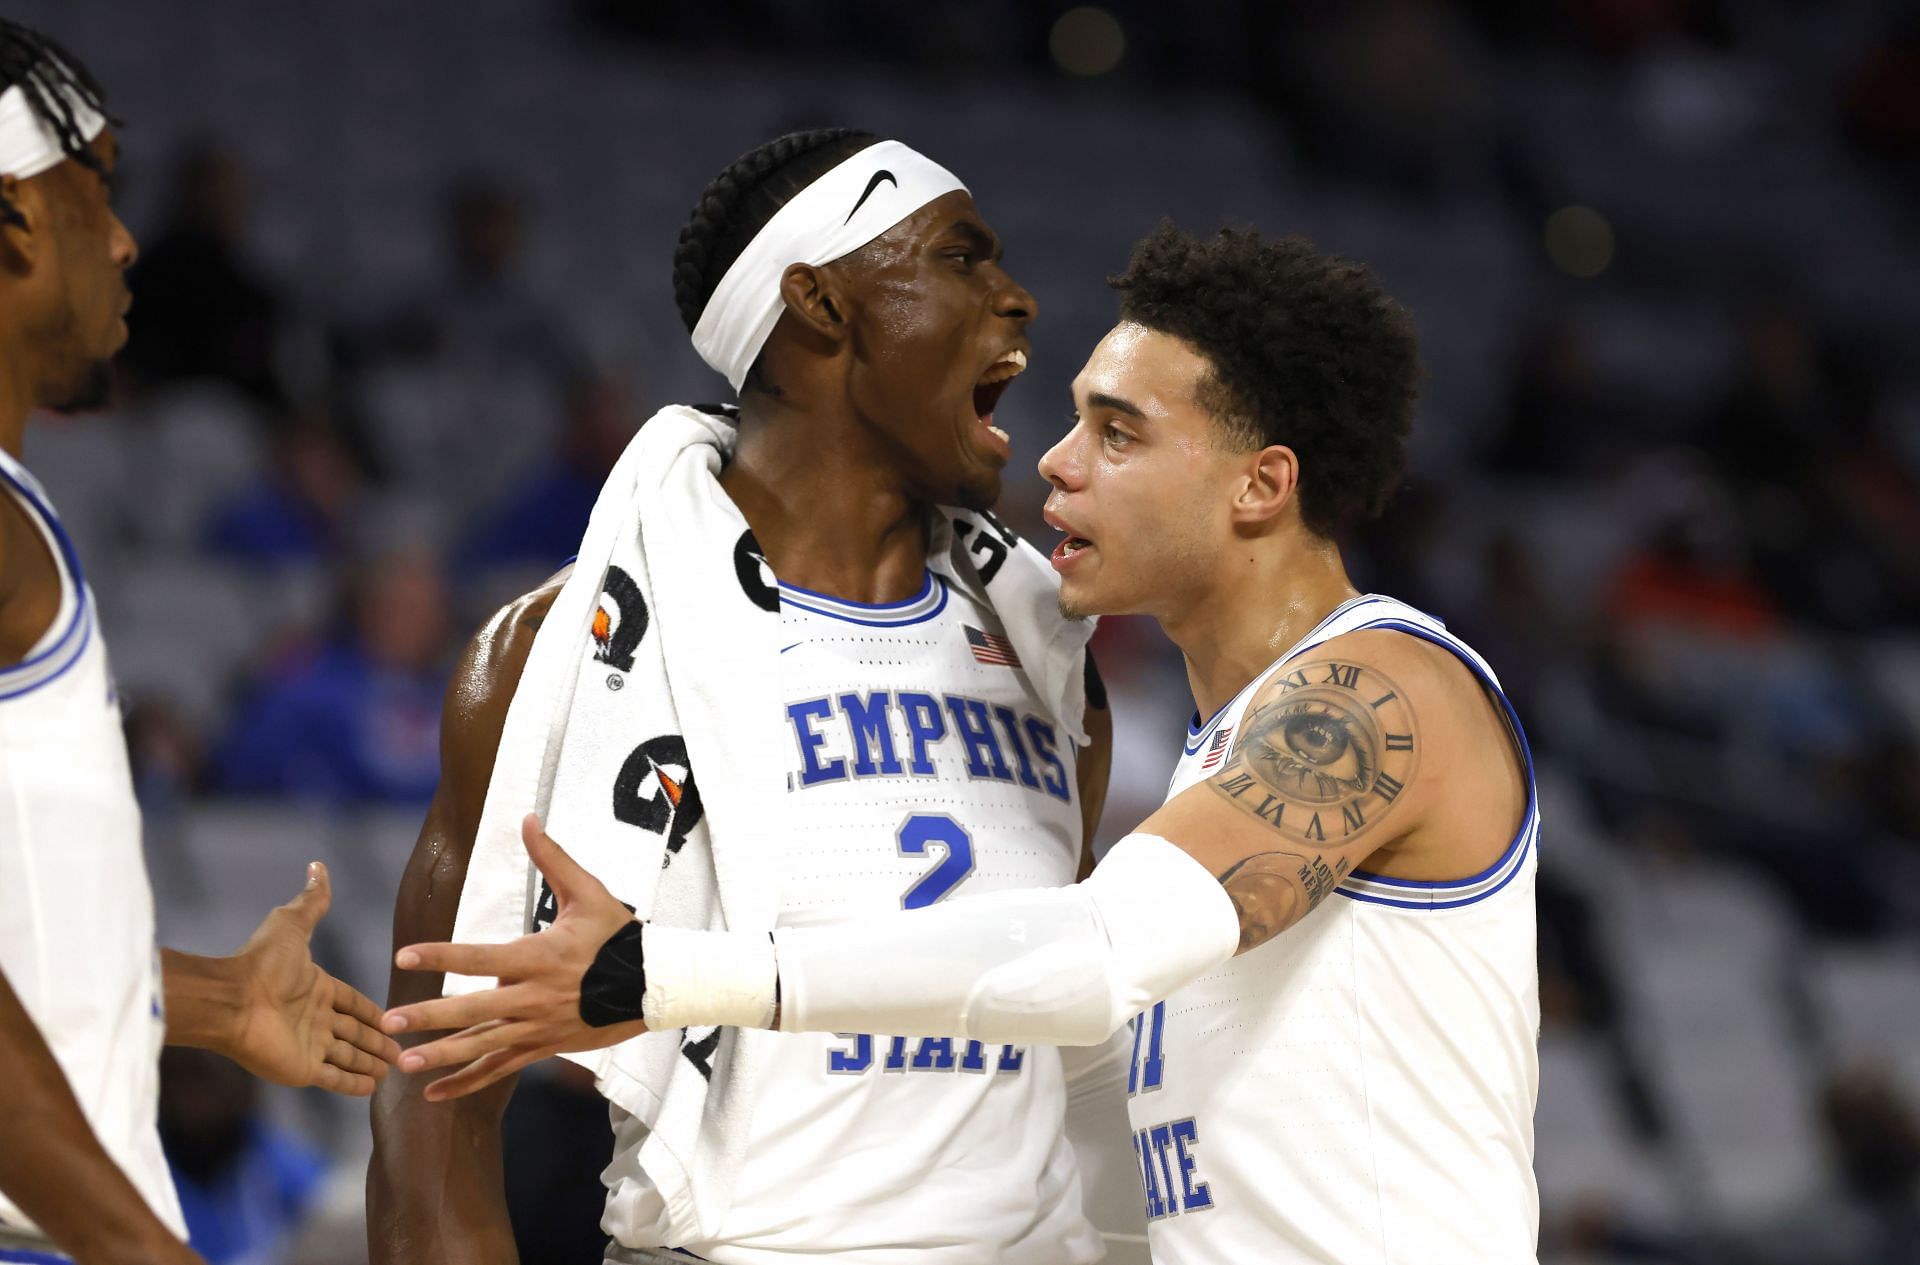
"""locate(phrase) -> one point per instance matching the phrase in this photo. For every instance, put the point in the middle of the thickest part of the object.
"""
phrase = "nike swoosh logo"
(878, 176)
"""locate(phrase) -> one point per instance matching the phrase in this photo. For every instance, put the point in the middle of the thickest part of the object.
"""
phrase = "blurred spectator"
(540, 519)
(358, 718)
(201, 308)
(1872, 1216)
(1388, 91)
(1693, 577)
(301, 511)
(245, 1184)
(1882, 108)
(165, 755)
(483, 312)
(1557, 419)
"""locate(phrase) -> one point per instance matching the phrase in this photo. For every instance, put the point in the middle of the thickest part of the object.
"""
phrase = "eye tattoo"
(1311, 749)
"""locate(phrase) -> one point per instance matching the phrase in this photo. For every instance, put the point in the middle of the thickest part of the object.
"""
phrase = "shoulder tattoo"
(1323, 754)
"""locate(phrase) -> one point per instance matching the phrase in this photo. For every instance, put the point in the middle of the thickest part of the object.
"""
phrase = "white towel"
(655, 675)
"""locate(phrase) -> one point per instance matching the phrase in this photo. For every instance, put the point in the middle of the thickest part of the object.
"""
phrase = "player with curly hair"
(1324, 939)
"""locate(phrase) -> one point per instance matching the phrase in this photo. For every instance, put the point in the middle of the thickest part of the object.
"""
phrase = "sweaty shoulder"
(482, 689)
(471, 722)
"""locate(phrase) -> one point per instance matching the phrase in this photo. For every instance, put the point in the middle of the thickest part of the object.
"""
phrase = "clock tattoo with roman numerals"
(1326, 750)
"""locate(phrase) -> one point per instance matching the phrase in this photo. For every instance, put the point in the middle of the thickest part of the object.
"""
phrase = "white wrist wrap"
(1061, 966)
(695, 978)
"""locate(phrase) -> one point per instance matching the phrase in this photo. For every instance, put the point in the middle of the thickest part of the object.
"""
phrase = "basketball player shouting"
(866, 399)
(85, 1002)
(1325, 937)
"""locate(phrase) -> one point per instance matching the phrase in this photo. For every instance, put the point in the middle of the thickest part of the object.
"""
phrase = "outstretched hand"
(298, 1025)
(534, 1010)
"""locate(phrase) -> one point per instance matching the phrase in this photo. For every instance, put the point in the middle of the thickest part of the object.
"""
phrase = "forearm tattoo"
(1322, 756)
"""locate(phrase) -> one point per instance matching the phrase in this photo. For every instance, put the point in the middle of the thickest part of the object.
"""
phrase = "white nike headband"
(836, 215)
(28, 146)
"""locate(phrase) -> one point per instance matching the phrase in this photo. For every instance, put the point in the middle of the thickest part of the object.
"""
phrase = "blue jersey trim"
(78, 652)
(1513, 853)
(81, 621)
(926, 587)
(33, 1258)
(842, 613)
(1197, 733)
(1442, 904)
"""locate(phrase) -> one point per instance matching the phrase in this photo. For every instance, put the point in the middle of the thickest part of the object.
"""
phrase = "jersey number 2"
(923, 832)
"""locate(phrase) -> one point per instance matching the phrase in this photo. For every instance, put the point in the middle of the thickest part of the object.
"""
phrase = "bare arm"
(1370, 753)
(435, 1193)
(1324, 773)
(62, 1177)
(272, 1010)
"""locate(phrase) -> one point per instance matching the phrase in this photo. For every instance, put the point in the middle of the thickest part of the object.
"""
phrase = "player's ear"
(23, 219)
(1268, 482)
(814, 298)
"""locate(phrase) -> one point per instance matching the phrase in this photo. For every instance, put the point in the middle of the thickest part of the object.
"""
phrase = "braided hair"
(49, 77)
(740, 201)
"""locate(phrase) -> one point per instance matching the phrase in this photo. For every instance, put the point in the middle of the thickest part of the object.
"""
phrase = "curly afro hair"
(1306, 351)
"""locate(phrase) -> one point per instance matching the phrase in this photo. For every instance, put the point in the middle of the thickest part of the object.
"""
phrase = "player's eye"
(1315, 752)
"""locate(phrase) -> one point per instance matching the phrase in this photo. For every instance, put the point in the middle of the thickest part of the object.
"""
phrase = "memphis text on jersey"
(853, 735)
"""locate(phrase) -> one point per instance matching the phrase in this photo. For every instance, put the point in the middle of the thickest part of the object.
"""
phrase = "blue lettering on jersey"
(1040, 733)
(866, 734)
(844, 1063)
(925, 726)
(1194, 1195)
(1149, 1028)
(1143, 1151)
(867, 720)
(976, 733)
(1146, 1072)
(934, 1054)
(802, 715)
(1011, 723)
(930, 1054)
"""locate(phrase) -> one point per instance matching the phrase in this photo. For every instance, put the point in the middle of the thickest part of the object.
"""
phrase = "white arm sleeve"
(1097, 1130)
(1058, 966)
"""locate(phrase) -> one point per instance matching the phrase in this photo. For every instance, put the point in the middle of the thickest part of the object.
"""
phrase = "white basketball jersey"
(1360, 1089)
(76, 911)
(925, 768)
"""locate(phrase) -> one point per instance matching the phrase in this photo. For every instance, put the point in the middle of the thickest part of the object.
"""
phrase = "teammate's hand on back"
(300, 1026)
(534, 1012)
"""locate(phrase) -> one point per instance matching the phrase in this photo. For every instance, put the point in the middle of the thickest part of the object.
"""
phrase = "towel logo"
(989, 548)
(749, 563)
(655, 791)
(699, 1051)
(615, 639)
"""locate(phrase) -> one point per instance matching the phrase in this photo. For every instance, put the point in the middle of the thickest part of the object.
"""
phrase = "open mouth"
(1069, 547)
(993, 384)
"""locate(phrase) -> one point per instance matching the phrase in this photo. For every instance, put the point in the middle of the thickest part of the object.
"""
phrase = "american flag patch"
(1217, 749)
(991, 648)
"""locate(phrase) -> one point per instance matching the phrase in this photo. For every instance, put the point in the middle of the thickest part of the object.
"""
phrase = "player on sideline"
(867, 386)
(1325, 937)
(85, 1000)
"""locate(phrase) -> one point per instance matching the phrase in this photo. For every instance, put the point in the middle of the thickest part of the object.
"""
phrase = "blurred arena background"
(404, 295)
